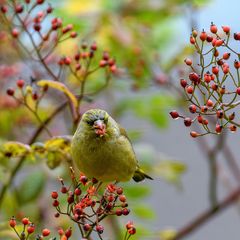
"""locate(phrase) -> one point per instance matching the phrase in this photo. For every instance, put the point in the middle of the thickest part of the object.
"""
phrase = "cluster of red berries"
(87, 206)
(213, 85)
(79, 63)
(22, 12)
(28, 229)
(26, 90)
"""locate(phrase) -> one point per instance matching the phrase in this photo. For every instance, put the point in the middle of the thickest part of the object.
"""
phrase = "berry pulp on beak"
(100, 128)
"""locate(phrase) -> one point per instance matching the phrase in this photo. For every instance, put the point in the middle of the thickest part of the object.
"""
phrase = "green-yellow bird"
(101, 149)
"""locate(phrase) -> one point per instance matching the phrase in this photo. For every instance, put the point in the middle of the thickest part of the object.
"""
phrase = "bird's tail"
(140, 175)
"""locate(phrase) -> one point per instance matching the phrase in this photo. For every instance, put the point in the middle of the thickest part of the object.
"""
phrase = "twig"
(207, 215)
(31, 140)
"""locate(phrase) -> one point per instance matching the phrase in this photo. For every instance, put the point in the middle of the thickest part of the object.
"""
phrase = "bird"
(101, 149)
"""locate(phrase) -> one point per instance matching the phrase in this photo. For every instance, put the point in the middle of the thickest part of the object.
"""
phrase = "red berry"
(209, 38)
(25, 221)
(77, 191)
(236, 36)
(37, 27)
(31, 228)
(15, 33)
(226, 70)
(189, 89)
(110, 198)
(174, 114)
(49, 9)
(219, 42)
(64, 189)
(67, 60)
(232, 116)
(20, 83)
(222, 90)
(122, 198)
(40, 1)
(187, 122)
(132, 231)
(183, 83)
(113, 68)
(105, 56)
(12, 222)
(215, 53)
(214, 86)
(93, 46)
(83, 179)
(54, 195)
(192, 40)
(86, 227)
(56, 215)
(99, 229)
(204, 109)
(203, 35)
(125, 211)
(73, 34)
(218, 128)
(10, 91)
(55, 203)
(60, 231)
(19, 8)
(68, 232)
(214, 42)
(188, 61)
(194, 33)
(209, 103)
(94, 180)
(226, 56)
(220, 114)
(4, 8)
(200, 119)
(236, 64)
(70, 198)
(118, 212)
(213, 28)
(207, 77)
(119, 191)
(215, 70)
(233, 128)
(45, 232)
(205, 122)
(226, 29)
(194, 77)
(192, 108)
(103, 63)
(194, 134)
(238, 91)
(35, 96)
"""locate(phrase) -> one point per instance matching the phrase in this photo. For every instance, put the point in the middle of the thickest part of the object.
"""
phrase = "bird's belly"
(107, 162)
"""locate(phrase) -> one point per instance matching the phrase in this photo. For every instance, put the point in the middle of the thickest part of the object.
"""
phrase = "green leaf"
(137, 191)
(31, 187)
(143, 211)
(170, 171)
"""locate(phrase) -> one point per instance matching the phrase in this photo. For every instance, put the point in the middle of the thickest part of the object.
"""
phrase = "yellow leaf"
(14, 149)
(61, 87)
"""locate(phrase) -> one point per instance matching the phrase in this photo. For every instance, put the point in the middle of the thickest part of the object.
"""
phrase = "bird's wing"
(123, 132)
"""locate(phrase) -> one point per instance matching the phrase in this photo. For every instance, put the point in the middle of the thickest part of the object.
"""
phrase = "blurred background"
(149, 40)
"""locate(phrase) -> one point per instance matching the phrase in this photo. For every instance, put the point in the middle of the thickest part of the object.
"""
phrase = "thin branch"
(207, 215)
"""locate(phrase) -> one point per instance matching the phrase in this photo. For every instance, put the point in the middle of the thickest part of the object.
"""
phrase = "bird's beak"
(100, 128)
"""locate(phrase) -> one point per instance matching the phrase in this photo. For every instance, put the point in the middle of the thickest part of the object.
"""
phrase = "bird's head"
(96, 121)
